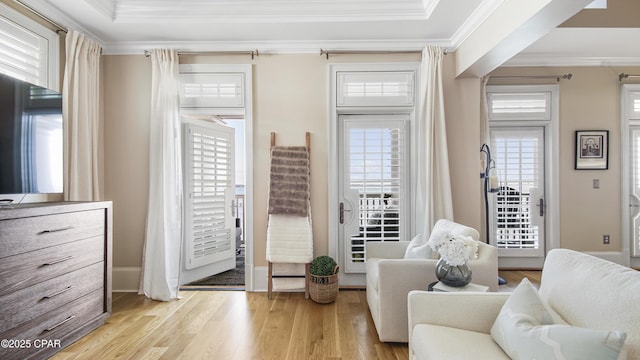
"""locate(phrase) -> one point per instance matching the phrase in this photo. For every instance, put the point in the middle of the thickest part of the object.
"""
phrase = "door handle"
(342, 210)
(541, 206)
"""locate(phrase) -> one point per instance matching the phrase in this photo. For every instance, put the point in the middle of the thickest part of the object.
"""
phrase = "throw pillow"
(418, 248)
(524, 329)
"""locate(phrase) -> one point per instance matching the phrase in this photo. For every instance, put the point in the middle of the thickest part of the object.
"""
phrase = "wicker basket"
(323, 289)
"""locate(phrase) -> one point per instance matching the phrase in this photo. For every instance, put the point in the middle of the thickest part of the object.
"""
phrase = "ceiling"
(131, 26)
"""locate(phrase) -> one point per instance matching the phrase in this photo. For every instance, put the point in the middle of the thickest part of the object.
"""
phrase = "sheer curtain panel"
(80, 96)
(161, 257)
(434, 185)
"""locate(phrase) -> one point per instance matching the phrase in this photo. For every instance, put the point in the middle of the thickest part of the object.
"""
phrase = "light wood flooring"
(243, 325)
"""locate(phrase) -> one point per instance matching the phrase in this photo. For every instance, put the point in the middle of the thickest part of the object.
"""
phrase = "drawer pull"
(53, 262)
(58, 292)
(51, 328)
(55, 230)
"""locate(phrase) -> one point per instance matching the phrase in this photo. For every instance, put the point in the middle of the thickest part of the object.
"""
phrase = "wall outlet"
(605, 239)
(596, 183)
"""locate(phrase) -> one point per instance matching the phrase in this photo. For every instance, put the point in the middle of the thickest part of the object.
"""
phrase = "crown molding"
(106, 7)
(154, 11)
(556, 60)
(479, 15)
(273, 47)
(59, 17)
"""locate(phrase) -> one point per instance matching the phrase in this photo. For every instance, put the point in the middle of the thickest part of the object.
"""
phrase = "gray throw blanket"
(289, 181)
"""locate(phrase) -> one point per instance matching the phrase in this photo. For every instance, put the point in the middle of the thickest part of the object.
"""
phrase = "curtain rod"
(368, 52)
(253, 53)
(557, 77)
(623, 76)
(36, 13)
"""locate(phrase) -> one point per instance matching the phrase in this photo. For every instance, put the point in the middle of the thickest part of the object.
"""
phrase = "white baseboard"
(126, 279)
(260, 276)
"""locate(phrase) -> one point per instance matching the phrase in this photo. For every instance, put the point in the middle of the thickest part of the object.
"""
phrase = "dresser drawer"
(59, 324)
(26, 304)
(33, 233)
(21, 271)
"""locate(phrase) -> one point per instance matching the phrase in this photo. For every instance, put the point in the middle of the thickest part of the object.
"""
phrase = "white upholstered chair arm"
(484, 268)
(473, 311)
(386, 249)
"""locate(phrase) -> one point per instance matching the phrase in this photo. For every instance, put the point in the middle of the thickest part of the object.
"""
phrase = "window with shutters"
(28, 50)
(372, 132)
(519, 154)
(391, 88)
(375, 174)
(209, 187)
(630, 164)
(632, 107)
(521, 123)
(222, 90)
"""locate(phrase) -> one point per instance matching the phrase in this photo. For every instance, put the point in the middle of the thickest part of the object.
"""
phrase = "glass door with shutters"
(631, 172)
(373, 186)
(634, 191)
(518, 211)
(209, 183)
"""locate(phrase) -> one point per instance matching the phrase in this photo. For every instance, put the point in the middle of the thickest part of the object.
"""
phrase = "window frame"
(335, 111)
(51, 76)
(552, 159)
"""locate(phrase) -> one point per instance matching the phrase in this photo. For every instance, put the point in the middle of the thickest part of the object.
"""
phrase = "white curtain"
(81, 98)
(434, 185)
(161, 257)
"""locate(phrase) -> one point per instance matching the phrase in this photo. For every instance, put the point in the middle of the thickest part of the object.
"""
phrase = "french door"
(518, 212)
(373, 194)
(209, 185)
(634, 189)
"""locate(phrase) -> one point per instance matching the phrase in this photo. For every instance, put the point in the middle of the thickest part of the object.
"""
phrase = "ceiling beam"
(512, 27)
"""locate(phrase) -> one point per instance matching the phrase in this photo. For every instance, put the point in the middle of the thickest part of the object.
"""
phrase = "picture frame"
(592, 150)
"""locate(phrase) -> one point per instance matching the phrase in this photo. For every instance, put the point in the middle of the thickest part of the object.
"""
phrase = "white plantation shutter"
(519, 106)
(633, 106)
(212, 90)
(209, 185)
(518, 155)
(376, 174)
(28, 51)
(392, 88)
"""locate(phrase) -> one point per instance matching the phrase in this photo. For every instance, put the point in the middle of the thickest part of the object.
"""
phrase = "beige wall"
(127, 99)
(289, 97)
(589, 101)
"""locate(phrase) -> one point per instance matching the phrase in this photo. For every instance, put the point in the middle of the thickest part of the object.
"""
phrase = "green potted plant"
(323, 279)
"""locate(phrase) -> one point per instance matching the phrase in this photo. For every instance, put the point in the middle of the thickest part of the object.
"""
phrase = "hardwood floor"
(243, 325)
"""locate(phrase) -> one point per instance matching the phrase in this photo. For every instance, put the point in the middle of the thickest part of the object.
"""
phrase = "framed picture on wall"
(592, 149)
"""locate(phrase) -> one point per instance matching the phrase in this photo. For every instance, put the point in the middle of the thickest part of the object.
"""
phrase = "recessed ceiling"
(130, 26)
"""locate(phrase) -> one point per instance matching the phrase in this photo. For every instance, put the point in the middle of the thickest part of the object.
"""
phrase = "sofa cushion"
(418, 248)
(593, 293)
(525, 329)
(446, 343)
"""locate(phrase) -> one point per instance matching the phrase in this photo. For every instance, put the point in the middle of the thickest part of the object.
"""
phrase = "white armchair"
(390, 278)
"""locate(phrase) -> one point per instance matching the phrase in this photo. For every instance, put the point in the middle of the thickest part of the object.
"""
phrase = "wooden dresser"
(55, 275)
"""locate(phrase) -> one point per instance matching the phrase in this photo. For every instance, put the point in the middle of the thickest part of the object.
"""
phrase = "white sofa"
(390, 277)
(577, 289)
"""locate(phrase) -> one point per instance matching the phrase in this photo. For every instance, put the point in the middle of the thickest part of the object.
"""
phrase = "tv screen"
(31, 138)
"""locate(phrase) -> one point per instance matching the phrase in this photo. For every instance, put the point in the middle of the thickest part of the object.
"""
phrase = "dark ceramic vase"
(456, 276)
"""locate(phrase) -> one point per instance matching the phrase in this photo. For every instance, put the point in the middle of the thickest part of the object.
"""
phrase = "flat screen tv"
(31, 138)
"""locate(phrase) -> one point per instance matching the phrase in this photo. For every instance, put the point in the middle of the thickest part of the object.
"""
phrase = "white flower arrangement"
(456, 250)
